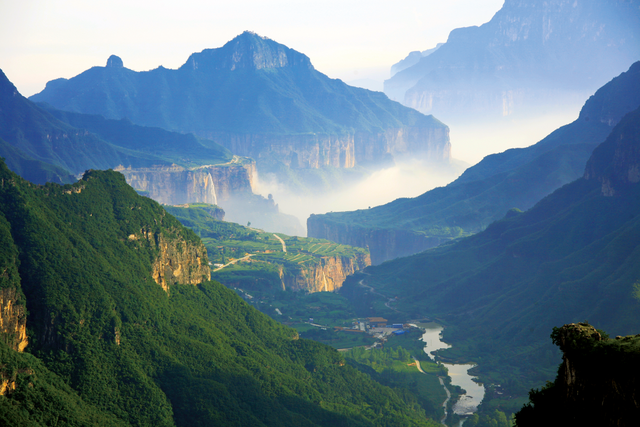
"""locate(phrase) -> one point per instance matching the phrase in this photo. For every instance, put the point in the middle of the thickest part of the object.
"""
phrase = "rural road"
(233, 262)
(444, 405)
(284, 246)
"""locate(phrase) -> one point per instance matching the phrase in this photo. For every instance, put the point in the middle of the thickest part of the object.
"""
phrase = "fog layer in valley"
(408, 178)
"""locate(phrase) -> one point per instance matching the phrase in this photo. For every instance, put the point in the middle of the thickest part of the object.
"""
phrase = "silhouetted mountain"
(516, 178)
(259, 99)
(532, 55)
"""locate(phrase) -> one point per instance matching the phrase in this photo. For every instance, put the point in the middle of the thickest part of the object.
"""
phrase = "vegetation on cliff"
(596, 382)
(108, 346)
(270, 261)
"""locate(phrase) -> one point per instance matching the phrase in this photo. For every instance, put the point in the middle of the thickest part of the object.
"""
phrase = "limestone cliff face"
(13, 319)
(179, 261)
(313, 151)
(383, 244)
(327, 276)
(177, 185)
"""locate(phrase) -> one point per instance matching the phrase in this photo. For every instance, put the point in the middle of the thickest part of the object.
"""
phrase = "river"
(469, 402)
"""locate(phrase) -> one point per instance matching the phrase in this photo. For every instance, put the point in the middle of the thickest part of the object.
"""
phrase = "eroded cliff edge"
(327, 275)
(597, 382)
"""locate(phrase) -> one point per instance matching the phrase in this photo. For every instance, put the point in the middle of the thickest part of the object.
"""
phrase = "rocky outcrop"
(179, 261)
(596, 382)
(383, 244)
(176, 185)
(13, 319)
(314, 151)
(326, 276)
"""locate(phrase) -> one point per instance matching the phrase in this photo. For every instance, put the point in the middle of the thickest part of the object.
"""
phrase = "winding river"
(468, 403)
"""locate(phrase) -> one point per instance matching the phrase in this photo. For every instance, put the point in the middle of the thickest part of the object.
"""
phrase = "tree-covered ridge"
(249, 85)
(573, 256)
(108, 346)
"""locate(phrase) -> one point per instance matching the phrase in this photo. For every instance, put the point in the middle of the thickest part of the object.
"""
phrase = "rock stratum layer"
(176, 185)
(13, 320)
(326, 276)
(261, 99)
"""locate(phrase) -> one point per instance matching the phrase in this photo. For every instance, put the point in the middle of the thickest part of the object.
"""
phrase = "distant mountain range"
(259, 99)
(516, 178)
(533, 56)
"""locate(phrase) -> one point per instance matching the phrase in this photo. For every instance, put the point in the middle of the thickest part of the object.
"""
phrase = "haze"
(351, 40)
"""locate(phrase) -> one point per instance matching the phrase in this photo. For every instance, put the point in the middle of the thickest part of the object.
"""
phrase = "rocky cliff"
(13, 319)
(176, 185)
(596, 382)
(326, 276)
(383, 243)
(313, 151)
(179, 261)
(531, 54)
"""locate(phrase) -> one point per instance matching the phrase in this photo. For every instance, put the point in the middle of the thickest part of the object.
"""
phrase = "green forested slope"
(108, 346)
(574, 256)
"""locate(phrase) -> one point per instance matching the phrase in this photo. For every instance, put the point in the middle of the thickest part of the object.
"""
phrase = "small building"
(400, 332)
(377, 322)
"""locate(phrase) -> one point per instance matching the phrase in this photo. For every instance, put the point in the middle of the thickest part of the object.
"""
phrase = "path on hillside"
(233, 262)
(361, 283)
(284, 246)
(444, 405)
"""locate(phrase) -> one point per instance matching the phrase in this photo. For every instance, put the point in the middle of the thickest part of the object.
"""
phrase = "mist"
(408, 178)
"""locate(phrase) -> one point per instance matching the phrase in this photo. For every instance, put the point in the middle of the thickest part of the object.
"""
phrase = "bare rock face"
(177, 185)
(13, 319)
(179, 261)
(384, 244)
(327, 276)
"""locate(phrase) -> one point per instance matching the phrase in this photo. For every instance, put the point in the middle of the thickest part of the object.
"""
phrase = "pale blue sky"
(41, 40)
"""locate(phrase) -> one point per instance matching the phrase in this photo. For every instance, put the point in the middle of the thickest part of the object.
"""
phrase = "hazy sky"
(41, 40)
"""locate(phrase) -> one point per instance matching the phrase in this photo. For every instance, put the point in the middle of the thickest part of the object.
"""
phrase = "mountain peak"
(248, 50)
(114, 62)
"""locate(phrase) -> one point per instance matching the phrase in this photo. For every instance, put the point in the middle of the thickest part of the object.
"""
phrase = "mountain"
(532, 57)
(516, 178)
(412, 59)
(108, 318)
(574, 256)
(259, 99)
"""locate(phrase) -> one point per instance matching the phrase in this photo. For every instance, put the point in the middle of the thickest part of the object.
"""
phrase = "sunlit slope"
(574, 256)
(516, 178)
(123, 327)
(257, 260)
